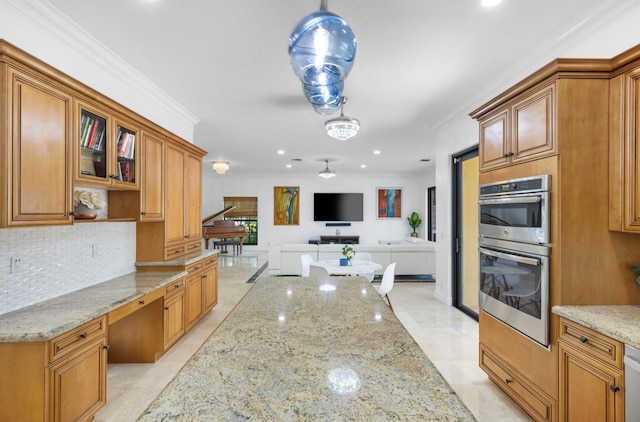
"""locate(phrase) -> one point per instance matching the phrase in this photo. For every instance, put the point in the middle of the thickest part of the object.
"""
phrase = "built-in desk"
(295, 349)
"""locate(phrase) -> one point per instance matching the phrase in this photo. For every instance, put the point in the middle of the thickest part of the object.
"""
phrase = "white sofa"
(413, 256)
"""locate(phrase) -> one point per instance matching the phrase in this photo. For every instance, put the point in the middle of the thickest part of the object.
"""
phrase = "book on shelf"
(92, 134)
(126, 144)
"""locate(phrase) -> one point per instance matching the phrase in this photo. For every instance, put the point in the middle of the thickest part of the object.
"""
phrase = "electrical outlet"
(16, 264)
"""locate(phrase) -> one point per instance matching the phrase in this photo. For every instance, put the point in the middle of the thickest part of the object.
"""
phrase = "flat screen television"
(337, 207)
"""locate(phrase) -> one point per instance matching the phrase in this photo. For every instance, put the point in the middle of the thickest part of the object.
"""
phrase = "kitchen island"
(297, 349)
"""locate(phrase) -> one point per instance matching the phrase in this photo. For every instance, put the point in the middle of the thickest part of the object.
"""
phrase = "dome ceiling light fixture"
(220, 166)
(327, 173)
(322, 49)
(342, 127)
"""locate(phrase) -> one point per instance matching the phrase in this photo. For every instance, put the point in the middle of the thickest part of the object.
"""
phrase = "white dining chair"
(318, 272)
(388, 277)
(306, 260)
(362, 256)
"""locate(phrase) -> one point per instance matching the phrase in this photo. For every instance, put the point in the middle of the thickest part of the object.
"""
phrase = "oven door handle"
(514, 200)
(517, 258)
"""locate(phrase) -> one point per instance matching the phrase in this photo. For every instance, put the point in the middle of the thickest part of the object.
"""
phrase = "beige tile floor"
(447, 336)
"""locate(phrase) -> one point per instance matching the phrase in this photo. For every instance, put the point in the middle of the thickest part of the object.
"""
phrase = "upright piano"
(221, 229)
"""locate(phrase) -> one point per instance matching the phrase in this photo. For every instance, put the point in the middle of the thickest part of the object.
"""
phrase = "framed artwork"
(286, 205)
(389, 203)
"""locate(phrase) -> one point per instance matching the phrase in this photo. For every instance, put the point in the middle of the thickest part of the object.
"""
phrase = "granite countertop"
(51, 318)
(297, 349)
(620, 322)
(180, 261)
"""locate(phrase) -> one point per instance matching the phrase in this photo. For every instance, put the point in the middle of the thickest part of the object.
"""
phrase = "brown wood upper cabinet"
(180, 232)
(519, 132)
(107, 147)
(624, 157)
(35, 159)
(152, 186)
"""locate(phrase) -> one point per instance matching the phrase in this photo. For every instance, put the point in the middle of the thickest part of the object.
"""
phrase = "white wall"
(216, 187)
(42, 31)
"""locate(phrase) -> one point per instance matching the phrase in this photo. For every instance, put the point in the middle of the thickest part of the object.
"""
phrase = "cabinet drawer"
(194, 246)
(195, 268)
(592, 343)
(175, 287)
(534, 402)
(68, 342)
(210, 261)
(173, 251)
(134, 305)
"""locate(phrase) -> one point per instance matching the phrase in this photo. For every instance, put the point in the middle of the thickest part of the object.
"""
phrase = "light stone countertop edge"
(620, 322)
(180, 261)
(48, 319)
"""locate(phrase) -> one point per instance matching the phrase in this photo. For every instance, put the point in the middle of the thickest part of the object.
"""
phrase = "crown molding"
(98, 56)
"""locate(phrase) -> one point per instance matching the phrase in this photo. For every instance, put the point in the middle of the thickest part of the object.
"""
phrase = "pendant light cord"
(323, 5)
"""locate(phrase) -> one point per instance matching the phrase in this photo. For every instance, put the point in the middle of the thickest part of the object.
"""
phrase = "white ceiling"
(419, 64)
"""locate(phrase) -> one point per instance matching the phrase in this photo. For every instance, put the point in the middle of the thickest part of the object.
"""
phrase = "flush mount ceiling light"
(322, 48)
(327, 173)
(342, 127)
(220, 166)
(490, 3)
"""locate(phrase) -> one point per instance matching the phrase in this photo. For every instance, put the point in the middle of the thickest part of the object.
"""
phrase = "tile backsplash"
(56, 260)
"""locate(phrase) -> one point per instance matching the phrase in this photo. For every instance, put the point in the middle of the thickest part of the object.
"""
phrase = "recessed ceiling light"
(490, 3)
(363, 166)
(376, 152)
(280, 151)
(289, 166)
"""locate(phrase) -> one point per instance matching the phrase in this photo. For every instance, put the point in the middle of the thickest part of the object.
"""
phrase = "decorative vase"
(414, 234)
(82, 212)
(344, 262)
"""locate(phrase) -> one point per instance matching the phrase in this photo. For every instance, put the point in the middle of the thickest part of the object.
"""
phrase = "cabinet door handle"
(166, 308)
(143, 213)
(508, 381)
(107, 347)
(583, 339)
(83, 335)
(614, 388)
(204, 276)
(141, 302)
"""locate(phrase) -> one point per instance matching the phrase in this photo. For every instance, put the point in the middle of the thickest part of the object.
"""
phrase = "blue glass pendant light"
(322, 48)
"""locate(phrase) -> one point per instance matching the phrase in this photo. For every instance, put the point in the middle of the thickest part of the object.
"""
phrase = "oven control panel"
(528, 184)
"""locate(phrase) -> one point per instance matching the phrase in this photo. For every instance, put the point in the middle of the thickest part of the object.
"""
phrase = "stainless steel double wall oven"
(514, 248)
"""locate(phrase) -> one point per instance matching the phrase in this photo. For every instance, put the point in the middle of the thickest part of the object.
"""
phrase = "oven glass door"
(513, 280)
(515, 217)
(514, 286)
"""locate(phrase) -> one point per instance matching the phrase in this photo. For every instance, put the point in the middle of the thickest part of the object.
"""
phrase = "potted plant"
(414, 222)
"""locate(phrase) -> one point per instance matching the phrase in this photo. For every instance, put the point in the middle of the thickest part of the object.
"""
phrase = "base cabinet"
(210, 283)
(591, 375)
(64, 379)
(78, 387)
(193, 295)
(534, 401)
(173, 313)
